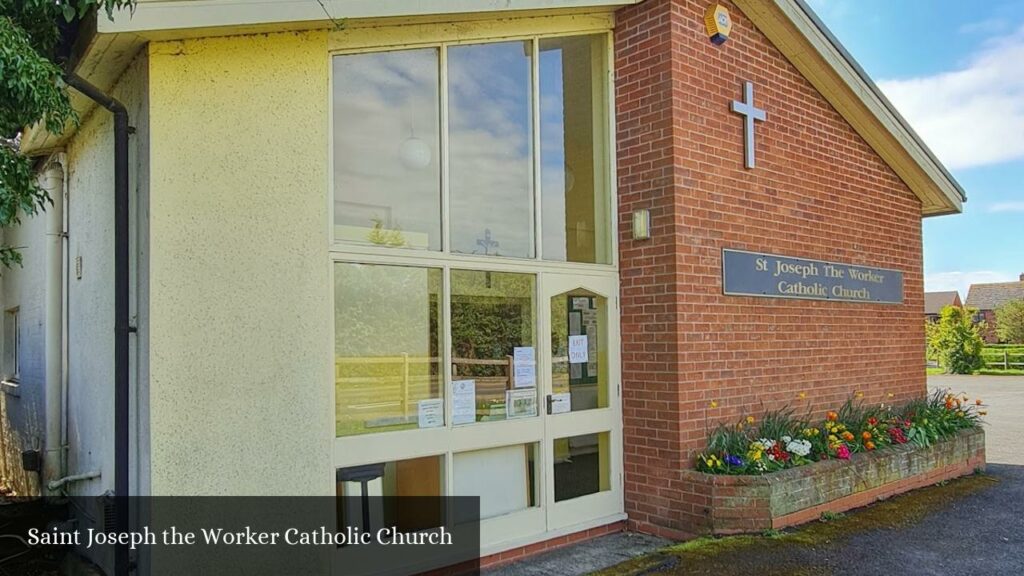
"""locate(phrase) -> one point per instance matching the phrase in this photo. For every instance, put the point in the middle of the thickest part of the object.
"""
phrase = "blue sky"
(955, 70)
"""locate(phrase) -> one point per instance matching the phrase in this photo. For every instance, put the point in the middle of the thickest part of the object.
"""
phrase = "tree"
(955, 340)
(32, 91)
(1010, 322)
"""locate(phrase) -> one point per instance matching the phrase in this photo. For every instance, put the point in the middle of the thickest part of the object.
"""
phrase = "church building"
(526, 250)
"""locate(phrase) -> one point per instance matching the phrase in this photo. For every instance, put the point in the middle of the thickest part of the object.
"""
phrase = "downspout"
(53, 183)
(121, 328)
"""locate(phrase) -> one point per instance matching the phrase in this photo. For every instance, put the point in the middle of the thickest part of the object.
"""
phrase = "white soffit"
(152, 15)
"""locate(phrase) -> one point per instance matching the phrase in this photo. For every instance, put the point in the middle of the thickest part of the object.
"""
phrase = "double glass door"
(543, 451)
(505, 387)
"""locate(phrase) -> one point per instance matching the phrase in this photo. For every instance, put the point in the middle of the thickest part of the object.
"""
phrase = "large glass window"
(387, 169)
(573, 123)
(490, 164)
(386, 336)
(394, 169)
(493, 346)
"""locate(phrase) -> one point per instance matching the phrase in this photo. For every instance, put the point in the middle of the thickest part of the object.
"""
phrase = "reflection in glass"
(574, 182)
(579, 349)
(582, 465)
(493, 346)
(386, 326)
(387, 175)
(504, 478)
(490, 168)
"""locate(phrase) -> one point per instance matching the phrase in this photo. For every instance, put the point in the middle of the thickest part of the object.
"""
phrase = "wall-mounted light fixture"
(641, 224)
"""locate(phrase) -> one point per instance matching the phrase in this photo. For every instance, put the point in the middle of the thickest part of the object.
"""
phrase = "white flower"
(799, 447)
(766, 443)
(786, 439)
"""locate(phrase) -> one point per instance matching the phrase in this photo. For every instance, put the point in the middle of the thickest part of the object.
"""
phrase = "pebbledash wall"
(818, 191)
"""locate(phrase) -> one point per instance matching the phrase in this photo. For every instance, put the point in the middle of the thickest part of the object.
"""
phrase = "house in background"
(477, 246)
(987, 298)
(934, 302)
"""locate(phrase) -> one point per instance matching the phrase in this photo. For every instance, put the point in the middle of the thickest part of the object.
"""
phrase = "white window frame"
(530, 525)
(12, 371)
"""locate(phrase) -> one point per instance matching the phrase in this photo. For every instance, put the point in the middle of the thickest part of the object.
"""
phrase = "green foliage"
(955, 340)
(1010, 322)
(32, 92)
(940, 416)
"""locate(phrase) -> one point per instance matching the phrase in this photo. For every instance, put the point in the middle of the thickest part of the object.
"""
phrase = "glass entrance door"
(583, 456)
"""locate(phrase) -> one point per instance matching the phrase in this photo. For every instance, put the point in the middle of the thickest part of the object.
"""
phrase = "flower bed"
(781, 440)
(784, 470)
(753, 503)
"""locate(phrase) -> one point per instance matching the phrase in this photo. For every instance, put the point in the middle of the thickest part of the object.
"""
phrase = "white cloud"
(961, 281)
(1006, 207)
(972, 116)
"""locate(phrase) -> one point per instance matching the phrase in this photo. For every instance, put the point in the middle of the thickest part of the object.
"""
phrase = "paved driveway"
(1005, 421)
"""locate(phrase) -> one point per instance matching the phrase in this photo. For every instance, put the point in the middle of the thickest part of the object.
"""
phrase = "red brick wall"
(818, 191)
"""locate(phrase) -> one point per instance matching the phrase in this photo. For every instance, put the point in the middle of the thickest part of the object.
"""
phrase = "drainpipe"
(121, 328)
(53, 183)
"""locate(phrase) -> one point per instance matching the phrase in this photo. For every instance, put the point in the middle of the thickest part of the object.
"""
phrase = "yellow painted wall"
(239, 282)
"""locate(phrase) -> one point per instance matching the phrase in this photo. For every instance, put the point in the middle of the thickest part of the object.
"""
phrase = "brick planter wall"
(754, 503)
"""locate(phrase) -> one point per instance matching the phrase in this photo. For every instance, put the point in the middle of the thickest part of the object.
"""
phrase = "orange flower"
(831, 416)
(870, 445)
(866, 435)
(978, 402)
(848, 436)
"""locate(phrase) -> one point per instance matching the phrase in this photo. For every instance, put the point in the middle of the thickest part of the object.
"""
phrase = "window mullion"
(445, 220)
(446, 377)
(538, 230)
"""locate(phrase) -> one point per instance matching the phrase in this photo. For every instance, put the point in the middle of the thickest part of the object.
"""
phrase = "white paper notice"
(578, 353)
(561, 403)
(520, 403)
(431, 413)
(463, 401)
(524, 367)
(581, 303)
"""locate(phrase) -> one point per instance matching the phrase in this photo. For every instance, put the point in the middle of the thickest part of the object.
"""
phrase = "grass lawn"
(994, 356)
(998, 372)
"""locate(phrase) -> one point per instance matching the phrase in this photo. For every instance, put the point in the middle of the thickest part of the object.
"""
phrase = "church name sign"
(771, 276)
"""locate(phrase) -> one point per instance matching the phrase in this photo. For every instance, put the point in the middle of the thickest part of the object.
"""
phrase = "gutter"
(121, 328)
